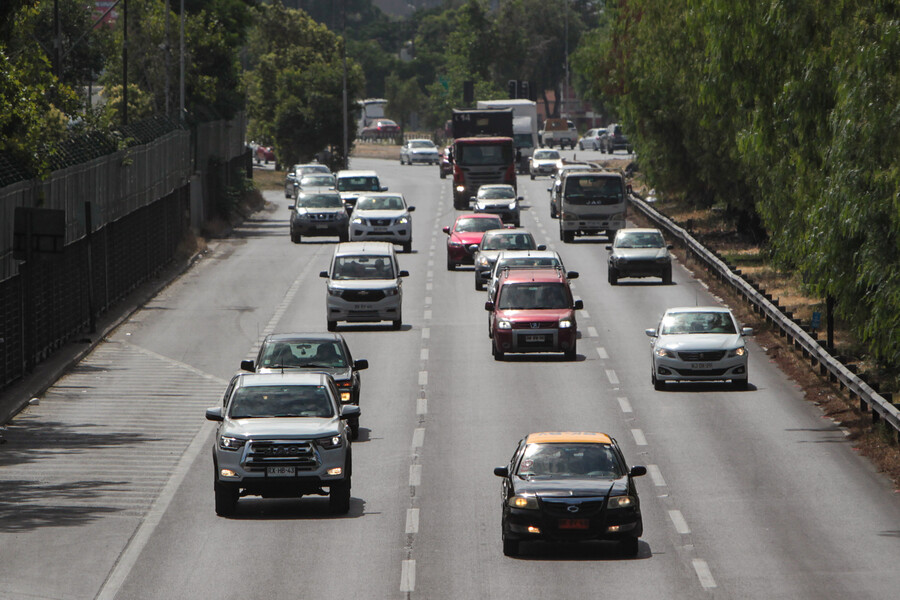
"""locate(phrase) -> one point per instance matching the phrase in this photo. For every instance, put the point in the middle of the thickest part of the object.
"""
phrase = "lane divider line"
(613, 378)
(625, 405)
(408, 576)
(656, 475)
(678, 521)
(703, 573)
(601, 351)
(412, 520)
(639, 438)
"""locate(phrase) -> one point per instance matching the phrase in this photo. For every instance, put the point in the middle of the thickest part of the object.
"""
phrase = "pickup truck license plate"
(573, 523)
(281, 471)
(701, 365)
(381, 229)
(534, 339)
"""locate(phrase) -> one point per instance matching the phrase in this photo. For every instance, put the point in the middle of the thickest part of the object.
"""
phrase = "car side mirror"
(472, 249)
(384, 188)
(520, 199)
(215, 414)
(572, 275)
(746, 331)
(488, 305)
(360, 364)
(550, 189)
(404, 273)
(638, 470)
(323, 274)
(290, 207)
(542, 247)
(579, 305)
(446, 230)
(247, 365)
(650, 332)
(410, 208)
(609, 248)
(473, 199)
(501, 471)
(350, 410)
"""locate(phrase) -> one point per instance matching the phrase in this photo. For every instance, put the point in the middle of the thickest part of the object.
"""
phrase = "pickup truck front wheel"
(339, 497)
(227, 495)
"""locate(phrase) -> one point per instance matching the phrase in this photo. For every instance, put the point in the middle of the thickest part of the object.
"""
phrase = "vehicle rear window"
(321, 179)
(358, 184)
(303, 354)
(256, 402)
(363, 267)
(478, 225)
(514, 241)
(651, 239)
(473, 155)
(531, 296)
(569, 460)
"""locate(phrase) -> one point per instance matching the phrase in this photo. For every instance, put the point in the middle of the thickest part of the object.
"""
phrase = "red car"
(379, 129)
(534, 312)
(264, 154)
(467, 230)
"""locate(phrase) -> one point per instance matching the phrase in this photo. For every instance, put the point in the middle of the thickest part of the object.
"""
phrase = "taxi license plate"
(281, 471)
(701, 365)
(573, 523)
(534, 339)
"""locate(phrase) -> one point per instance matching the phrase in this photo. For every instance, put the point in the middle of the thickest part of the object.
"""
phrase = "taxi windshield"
(577, 461)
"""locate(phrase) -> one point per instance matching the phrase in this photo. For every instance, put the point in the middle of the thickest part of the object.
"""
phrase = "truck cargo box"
(475, 122)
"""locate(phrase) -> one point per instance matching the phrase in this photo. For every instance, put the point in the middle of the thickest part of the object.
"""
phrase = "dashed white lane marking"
(429, 274)
(426, 333)
(427, 315)
(624, 404)
(415, 475)
(601, 351)
(408, 576)
(412, 520)
(427, 300)
(429, 286)
(656, 476)
(423, 354)
(423, 377)
(422, 406)
(703, 573)
(585, 314)
(639, 438)
(418, 439)
(678, 521)
(613, 378)
(592, 331)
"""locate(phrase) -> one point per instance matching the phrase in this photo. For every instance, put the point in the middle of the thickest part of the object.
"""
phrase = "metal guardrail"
(869, 399)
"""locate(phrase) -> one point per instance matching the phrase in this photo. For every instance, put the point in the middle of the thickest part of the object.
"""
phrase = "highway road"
(106, 485)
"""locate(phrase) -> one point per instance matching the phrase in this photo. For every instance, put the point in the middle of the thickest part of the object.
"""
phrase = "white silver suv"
(364, 284)
(382, 216)
(282, 435)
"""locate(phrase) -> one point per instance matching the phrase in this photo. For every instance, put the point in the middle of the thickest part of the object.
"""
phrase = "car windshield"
(358, 184)
(477, 225)
(576, 461)
(422, 144)
(505, 192)
(303, 354)
(473, 155)
(320, 201)
(529, 296)
(363, 267)
(256, 402)
(380, 203)
(546, 154)
(652, 239)
(306, 169)
(321, 180)
(697, 322)
(508, 241)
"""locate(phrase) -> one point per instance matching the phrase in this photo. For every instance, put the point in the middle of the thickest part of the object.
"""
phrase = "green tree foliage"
(295, 85)
(404, 99)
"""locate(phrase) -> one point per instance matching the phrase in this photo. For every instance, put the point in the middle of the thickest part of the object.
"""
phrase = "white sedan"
(419, 151)
(543, 162)
(698, 343)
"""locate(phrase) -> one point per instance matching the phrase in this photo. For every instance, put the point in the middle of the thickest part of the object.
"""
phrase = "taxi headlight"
(621, 502)
(737, 352)
(523, 502)
(231, 443)
(565, 323)
(665, 353)
(504, 325)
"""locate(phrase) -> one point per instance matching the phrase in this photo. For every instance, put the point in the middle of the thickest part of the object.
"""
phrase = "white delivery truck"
(525, 126)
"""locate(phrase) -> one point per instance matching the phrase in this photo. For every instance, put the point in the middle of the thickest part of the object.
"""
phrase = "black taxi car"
(570, 486)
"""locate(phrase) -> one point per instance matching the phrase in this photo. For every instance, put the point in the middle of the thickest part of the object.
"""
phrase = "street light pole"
(565, 99)
(346, 138)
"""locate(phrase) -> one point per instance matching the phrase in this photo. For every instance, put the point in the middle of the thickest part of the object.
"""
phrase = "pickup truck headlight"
(620, 502)
(402, 220)
(231, 443)
(565, 323)
(391, 291)
(334, 292)
(330, 442)
(737, 352)
(504, 325)
(523, 502)
(357, 221)
(665, 353)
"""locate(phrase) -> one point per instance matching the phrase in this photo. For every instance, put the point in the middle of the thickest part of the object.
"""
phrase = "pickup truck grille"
(265, 453)
(380, 222)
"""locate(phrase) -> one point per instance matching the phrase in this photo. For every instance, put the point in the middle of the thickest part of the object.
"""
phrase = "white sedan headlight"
(665, 353)
(737, 352)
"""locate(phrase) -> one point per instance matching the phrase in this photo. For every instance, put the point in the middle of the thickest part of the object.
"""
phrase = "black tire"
(658, 384)
(478, 285)
(510, 547)
(227, 495)
(629, 546)
(498, 354)
(572, 354)
(397, 323)
(354, 428)
(613, 276)
(407, 247)
(532, 176)
(451, 266)
(332, 326)
(553, 213)
(339, 497)
(295, 237)
(739, 384)
(443, 175)
(580, 146)
(568, 236)
(667, 276)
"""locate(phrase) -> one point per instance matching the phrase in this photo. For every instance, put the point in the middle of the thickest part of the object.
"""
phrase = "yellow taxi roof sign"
(568, 437)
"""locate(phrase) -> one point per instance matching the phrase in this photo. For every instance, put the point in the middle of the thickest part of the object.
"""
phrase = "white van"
(364, 284)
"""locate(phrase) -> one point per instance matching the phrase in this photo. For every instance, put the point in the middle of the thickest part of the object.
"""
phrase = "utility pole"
(346, 149)
(565, 98)
(181, 67)
(168, 57)
(125, 62)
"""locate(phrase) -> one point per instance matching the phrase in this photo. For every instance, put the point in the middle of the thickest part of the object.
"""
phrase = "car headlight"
(665, 353)
(455, 244)
(504, 325)
(231, 443)
(737, 352)
(565, 323)
(523, 502)
(334, 292)
(460, 188)
(483, 261)
(621, 502)
(357, 221)
(330, 442)
(402, 220)
(512, 205)
(391, 291)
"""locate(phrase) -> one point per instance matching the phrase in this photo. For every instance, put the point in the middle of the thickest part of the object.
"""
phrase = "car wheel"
(568, 237)
(613, 276)
(658, 384)
(339, 497)
(629, 546)
(572, 353)
(407, 247)
(739, 384)
(478, 285)
(451, 266)
(397, 323)
(497, 354)
(354, 428)
(581, 145)
(332, 326)
(344, 236)
(553, 214)
(532, 176)
(667, 276)
(295, 237)
(227, 495)
(510, 547)
(443, 175)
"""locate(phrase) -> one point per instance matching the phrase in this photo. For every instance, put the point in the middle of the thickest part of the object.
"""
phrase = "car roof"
(692, 309)
(528, 253)
(354, 248)
(537, 275)
(478, 216)
(312, 337)
(510, 231)
(318, 192)
(381, 195)
(494, 185)
(360, 173)
(640, 230)
(568, 437)
(420, 140)
(285, 378)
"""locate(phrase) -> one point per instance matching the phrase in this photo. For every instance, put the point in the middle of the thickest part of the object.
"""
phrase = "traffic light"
(523, 90)
(512, 87)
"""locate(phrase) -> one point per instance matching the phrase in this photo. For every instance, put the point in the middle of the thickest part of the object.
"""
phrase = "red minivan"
(533, 311)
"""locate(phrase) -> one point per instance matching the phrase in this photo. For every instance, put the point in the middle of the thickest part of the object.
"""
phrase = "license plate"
(381, 229)
(701, 365)
(321, 226)
(362, 306)
(574, 523)
(533, 339)
(281, 471)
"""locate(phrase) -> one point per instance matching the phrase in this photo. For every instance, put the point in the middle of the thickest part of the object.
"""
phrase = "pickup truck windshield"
(257, 402)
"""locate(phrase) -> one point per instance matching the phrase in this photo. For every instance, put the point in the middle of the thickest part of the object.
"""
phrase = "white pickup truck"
(559, 132)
